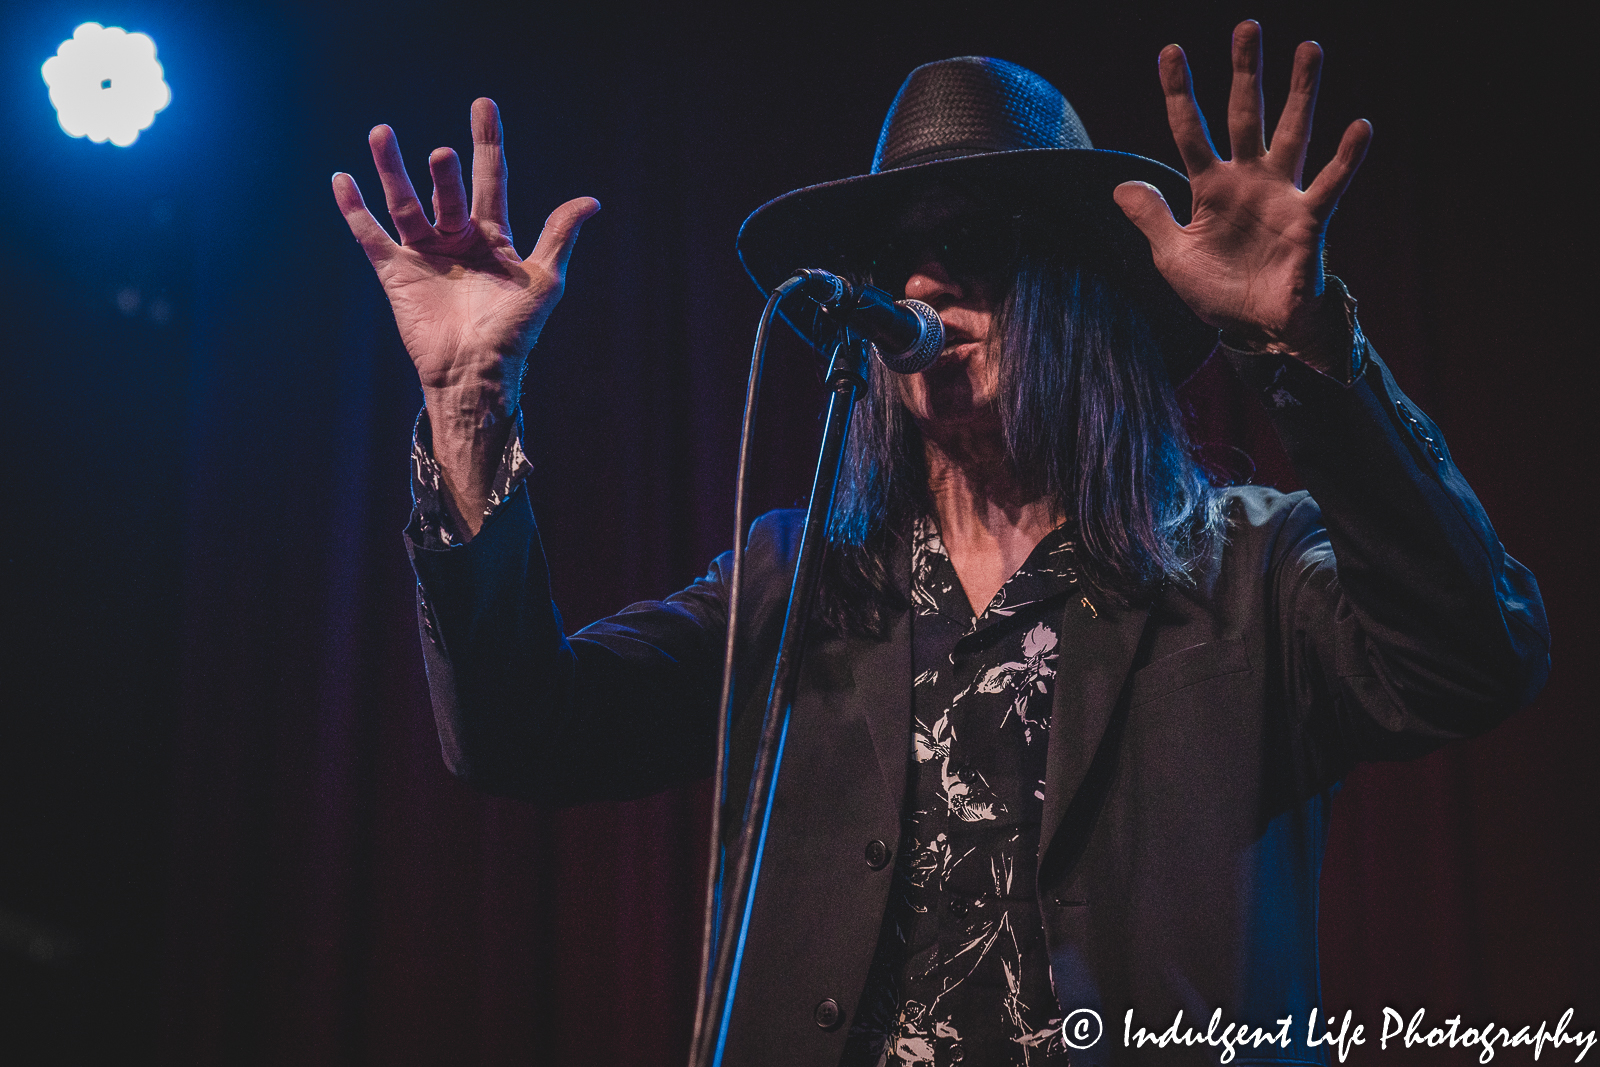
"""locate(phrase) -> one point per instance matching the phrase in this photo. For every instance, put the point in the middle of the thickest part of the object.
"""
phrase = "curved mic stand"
(846, 379)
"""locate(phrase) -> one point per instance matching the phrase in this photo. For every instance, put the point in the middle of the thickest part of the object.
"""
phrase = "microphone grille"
(920, 356)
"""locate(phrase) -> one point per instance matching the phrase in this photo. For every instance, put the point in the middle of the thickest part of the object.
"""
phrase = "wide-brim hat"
(998, 130)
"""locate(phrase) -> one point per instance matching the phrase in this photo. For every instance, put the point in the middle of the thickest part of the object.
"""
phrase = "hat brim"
(833, 226)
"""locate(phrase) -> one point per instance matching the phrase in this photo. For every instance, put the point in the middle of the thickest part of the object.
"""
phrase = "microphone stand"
(846, 379)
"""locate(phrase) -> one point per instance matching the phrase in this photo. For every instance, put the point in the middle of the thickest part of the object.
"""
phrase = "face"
(951, 254)
(959, 390)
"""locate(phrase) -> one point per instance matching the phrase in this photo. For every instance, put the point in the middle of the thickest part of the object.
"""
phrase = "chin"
(936, 413)
(945, 392)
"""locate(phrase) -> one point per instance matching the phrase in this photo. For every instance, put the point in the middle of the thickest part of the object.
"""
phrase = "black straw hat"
(998, 132)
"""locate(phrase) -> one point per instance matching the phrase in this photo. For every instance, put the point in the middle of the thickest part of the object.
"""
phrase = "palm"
(464, 294)
(1250, 258)
(465, 303)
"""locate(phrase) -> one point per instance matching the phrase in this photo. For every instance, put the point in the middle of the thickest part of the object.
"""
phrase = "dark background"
(226, 836)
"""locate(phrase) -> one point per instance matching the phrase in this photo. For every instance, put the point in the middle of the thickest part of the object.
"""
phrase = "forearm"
(1419, 626)
(623, 708)
(471, 424)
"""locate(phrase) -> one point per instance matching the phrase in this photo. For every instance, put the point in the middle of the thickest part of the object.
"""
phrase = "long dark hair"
(1090, 419)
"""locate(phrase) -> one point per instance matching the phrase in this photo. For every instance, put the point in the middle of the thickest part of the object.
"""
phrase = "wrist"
(489, 380)
(470, 404)
(1327, 338)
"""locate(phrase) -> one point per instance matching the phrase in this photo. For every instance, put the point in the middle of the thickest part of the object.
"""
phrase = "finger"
(1183, 113)
(488, 165)
(1244, 99)
(449, 195)
(1324, 194)
(560, 233)
(404, 207)
(1147, 209)
(373, 238)
(1293, 132)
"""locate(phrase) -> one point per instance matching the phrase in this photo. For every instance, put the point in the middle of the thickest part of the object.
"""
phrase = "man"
(1069, 714)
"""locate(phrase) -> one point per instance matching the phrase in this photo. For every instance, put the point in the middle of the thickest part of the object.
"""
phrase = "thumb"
(1147, 209)
(560, 232)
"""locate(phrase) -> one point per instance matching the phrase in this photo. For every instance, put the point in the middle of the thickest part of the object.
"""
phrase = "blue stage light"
(106, 84)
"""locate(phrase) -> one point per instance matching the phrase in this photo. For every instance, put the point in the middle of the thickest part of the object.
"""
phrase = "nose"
(933, 285)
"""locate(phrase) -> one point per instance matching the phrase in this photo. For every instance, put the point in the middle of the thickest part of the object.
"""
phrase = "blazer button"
(828, 1015)
(958, 907)
(877, 855)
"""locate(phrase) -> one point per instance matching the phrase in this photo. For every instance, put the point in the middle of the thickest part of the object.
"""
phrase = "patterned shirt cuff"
(430, 526)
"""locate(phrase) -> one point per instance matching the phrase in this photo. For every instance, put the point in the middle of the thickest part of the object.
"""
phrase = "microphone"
(907, 334)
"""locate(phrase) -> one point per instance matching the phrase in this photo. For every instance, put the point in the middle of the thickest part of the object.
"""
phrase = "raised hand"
(1250, 259)
(462, 297)
(468, 307)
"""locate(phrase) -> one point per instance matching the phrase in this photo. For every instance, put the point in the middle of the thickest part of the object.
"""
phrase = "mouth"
(958, 348)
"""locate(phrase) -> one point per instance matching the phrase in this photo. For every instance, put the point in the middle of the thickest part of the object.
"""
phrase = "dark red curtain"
(325, 893)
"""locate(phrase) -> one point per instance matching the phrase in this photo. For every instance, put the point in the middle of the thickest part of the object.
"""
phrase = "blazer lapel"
(1099, 646)
(884, 695)
(868, 679)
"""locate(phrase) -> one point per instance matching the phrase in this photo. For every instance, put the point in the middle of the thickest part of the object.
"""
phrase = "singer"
(1070, 713)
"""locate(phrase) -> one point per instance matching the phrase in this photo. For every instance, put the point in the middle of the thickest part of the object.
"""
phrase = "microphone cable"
(710, 926)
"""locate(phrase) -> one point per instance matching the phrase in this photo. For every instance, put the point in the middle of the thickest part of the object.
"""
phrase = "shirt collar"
(1049, 571)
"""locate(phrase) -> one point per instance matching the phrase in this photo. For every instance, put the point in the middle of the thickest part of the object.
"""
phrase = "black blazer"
(1194, 744)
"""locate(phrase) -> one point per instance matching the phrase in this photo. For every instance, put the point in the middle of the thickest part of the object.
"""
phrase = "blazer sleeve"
(1401, 620)
(620, 709)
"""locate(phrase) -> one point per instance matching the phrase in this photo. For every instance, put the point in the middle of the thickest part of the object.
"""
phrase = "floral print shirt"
(962, 973)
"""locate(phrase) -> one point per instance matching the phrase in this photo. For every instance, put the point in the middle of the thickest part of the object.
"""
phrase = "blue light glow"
(106, 84)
